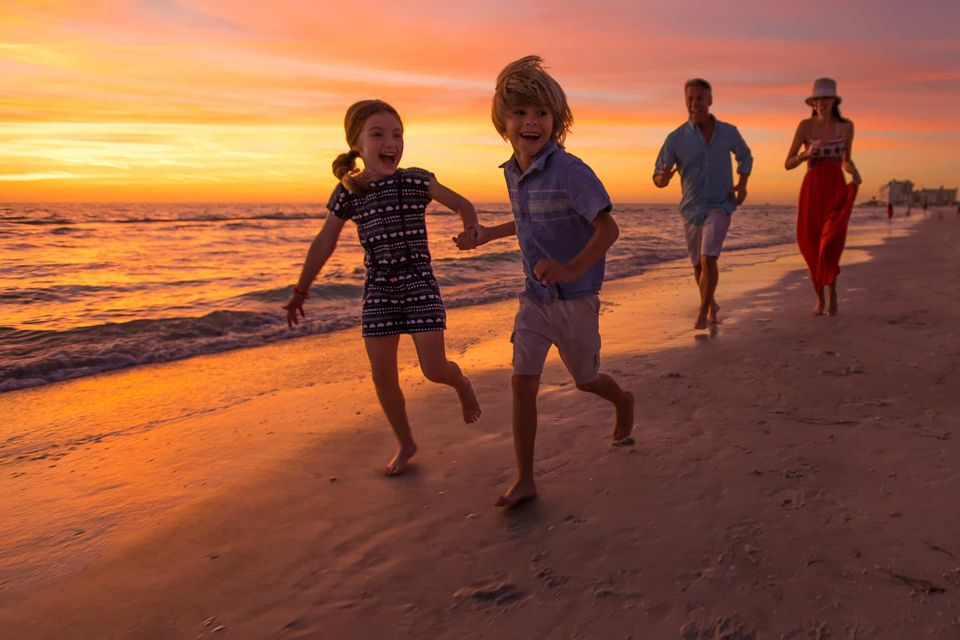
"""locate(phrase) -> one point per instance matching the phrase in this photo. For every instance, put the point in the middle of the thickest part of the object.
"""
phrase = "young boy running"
(563, 223)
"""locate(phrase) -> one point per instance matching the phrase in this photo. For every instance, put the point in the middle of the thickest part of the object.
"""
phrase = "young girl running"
(400, 293)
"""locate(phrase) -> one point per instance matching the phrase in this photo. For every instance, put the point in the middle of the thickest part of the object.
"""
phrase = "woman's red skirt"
(826, 201)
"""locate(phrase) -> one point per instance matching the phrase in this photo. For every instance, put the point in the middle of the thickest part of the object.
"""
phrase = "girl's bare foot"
(624, 425)
(469, 402)
(517, 494)
(398, 465)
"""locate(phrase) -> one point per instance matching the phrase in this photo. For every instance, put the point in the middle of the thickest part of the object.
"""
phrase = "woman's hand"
(293, 306)
(851, 168)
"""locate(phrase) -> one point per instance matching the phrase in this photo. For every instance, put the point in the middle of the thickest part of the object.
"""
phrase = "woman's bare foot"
(469, 402)
(832, 307)
(821, 303)
(624, 425)
(398, 465)
(712, 315)
(517, 494)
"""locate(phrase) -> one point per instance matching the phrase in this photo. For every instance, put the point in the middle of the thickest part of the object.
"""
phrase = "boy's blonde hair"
(525, 83)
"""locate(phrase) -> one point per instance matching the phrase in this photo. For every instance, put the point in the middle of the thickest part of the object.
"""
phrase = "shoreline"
(294, 546)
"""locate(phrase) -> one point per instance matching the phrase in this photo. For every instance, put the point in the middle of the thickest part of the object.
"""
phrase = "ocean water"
(88, 288)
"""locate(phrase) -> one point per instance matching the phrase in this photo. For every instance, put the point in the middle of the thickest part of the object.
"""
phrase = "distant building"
(935, 197)
(897, 192)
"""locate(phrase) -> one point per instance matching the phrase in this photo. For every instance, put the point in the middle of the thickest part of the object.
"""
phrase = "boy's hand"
(550, 272)
(471, 238)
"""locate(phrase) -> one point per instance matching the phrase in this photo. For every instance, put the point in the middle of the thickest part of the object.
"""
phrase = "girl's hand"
(813, 147)
(470, 238)
(294, 305)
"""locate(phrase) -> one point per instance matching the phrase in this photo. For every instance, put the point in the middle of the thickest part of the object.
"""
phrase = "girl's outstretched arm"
(455, 202)
(320, 251)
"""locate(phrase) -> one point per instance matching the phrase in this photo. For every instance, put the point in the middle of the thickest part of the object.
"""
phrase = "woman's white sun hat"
(824, 88)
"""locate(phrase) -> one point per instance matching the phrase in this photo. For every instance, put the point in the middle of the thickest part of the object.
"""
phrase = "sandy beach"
(792, 477)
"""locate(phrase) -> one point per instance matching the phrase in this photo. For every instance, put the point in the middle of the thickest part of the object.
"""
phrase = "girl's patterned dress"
(400, 294)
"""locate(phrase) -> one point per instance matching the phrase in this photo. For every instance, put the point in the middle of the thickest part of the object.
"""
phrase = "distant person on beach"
(400, 295)
(890, 211)
(563, 224)
(700, 151)
(826, 200)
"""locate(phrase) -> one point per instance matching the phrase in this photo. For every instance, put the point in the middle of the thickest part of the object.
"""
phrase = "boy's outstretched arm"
(605, 233)
(470, 240)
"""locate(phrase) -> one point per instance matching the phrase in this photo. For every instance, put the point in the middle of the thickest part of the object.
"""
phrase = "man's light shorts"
(708, 238)
(572, 325)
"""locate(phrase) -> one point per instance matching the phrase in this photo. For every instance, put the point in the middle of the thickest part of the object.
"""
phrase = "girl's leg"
(436, 368)
(382, 351)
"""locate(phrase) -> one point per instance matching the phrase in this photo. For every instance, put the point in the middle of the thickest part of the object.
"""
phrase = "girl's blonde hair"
(525, 83)
(344, 165)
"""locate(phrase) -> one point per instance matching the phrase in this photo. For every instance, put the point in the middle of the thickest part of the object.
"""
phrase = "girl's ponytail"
(344, 164)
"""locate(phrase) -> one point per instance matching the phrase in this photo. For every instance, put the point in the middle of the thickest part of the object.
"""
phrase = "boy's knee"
(587, 386)
(525, 386)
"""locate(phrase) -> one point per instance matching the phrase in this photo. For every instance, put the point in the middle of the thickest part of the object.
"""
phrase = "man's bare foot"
(624, 425)
(701, 322)
(712, 315)
(398, 465)
(517, 494)
(468, 401)
(832, 307)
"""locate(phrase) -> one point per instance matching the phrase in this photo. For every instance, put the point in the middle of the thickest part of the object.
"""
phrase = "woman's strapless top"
(833, 149)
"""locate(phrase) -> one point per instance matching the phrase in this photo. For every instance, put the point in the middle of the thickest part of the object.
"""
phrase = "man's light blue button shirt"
(706, 173)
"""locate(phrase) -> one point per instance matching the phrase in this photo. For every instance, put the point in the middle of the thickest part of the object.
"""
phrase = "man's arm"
(664, 167)
(744, 165)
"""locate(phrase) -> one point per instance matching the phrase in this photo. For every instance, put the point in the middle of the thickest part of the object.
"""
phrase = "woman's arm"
(794, 157)
(848, 164)
(320, 251)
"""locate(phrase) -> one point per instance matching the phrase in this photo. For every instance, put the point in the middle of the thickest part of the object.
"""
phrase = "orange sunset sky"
(229, 100)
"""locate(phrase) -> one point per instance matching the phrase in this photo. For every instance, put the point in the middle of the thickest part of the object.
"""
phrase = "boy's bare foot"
(469, 402)
(517, 494)
(712, 314)
(624, 425)
(398, 465)
(701, 322)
